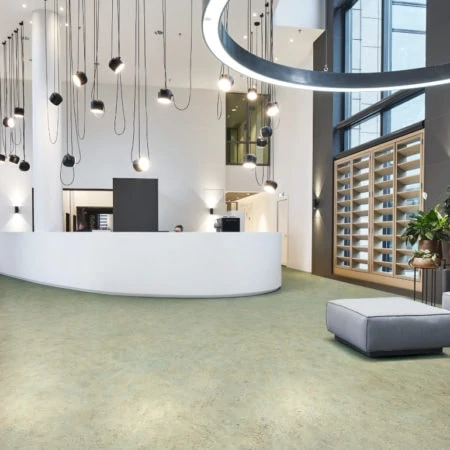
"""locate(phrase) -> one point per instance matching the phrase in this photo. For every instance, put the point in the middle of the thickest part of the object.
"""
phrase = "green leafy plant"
(446, 205)
(427, 225)
(426, 254)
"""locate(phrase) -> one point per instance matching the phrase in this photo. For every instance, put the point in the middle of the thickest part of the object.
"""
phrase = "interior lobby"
(133, 336)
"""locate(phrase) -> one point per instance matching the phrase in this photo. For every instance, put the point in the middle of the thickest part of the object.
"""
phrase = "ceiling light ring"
(236, 57)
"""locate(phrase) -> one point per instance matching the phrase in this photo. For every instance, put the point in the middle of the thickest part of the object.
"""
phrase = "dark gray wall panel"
(135, 203)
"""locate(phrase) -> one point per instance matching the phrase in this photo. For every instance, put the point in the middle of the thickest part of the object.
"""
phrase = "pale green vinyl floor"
(87, 371)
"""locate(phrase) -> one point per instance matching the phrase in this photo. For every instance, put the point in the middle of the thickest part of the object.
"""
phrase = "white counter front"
(147, 264)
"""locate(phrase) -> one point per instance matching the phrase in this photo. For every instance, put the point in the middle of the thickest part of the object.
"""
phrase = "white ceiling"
(205, 67)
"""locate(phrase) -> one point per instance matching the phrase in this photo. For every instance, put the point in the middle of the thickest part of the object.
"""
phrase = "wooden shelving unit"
(376, 192)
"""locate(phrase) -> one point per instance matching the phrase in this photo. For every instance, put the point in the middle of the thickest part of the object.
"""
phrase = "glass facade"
(383, 35)
(244, 120)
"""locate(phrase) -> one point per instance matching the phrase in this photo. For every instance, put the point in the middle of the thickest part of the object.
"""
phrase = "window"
(244, 120)
(383, 35)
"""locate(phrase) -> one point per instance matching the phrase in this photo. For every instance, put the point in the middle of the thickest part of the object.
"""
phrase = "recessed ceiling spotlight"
(254, 14)
(24, 5)
(276, 59)
(291, 40)
(245, 36)
(61, 8)
(31, 21)
(67, 24)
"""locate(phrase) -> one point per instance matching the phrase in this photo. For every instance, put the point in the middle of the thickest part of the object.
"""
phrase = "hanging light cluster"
(268, 104)
(12, 101)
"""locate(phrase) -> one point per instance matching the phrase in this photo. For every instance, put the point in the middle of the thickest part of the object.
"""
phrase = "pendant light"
(115, 63)
(270, 186)
(55, 97)
(226, 82)
(8, 121)
(272, 109)
(249, 161)
(266, 131)
(252, 94)
(140, 163)
(97, 106)
(165, 96)
(24, 165)
(72, 132)
(80, 78)
(2, 109)
(68, 160)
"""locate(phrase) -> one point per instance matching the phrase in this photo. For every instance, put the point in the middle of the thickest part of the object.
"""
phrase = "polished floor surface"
(87, 371)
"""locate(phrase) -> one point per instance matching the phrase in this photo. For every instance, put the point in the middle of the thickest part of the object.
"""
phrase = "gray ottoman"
(446, 300)
(388, 326)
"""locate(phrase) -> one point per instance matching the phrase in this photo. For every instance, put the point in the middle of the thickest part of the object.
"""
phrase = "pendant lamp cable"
(94, 92)
(137, 81)
(219, 105)
(184, 108)
(13, 131)
(81, 36)
(3, 101)
(118, 130)
(16, 96)
(22, 58)
(56, 75)
(2, 134)
(70, 94)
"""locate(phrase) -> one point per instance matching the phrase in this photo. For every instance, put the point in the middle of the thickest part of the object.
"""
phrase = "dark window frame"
(342, 56)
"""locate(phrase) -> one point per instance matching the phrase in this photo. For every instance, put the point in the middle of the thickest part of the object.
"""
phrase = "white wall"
(15, 186)
(300, 14)
(293, 173)
(187, 152)
(260, 212)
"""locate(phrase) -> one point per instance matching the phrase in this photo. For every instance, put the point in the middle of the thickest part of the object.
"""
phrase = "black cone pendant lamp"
(116, 63)
(97, 106)
(19, 112)
(14, 159)
(249, 161)
(24, 166)
(270, 186)
(2, 158)
(68, 160)
(79, 78)
(55, 97)
(165, 96)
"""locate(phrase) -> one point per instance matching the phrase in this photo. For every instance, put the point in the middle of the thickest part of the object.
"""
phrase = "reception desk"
(147, 264)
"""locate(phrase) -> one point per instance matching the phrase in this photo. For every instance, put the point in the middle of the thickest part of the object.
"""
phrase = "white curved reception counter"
(147, 264)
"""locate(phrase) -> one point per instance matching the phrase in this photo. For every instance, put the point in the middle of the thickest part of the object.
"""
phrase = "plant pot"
(425, 263)
(432, 246)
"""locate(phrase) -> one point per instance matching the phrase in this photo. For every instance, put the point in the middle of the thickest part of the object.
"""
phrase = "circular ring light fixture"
(252, 66)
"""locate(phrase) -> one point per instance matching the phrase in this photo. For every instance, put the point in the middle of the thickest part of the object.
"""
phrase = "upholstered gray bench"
(388, 326)
(446, 300)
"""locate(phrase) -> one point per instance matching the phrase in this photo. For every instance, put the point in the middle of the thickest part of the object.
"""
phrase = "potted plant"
(429, 229)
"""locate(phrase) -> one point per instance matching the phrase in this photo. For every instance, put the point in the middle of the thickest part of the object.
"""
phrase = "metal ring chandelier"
(239, 59)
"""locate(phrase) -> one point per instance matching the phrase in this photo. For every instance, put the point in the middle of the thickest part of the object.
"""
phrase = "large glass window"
(244, 120)
(383, 35)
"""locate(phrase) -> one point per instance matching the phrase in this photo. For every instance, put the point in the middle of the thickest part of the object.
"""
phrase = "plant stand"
(429, 292)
